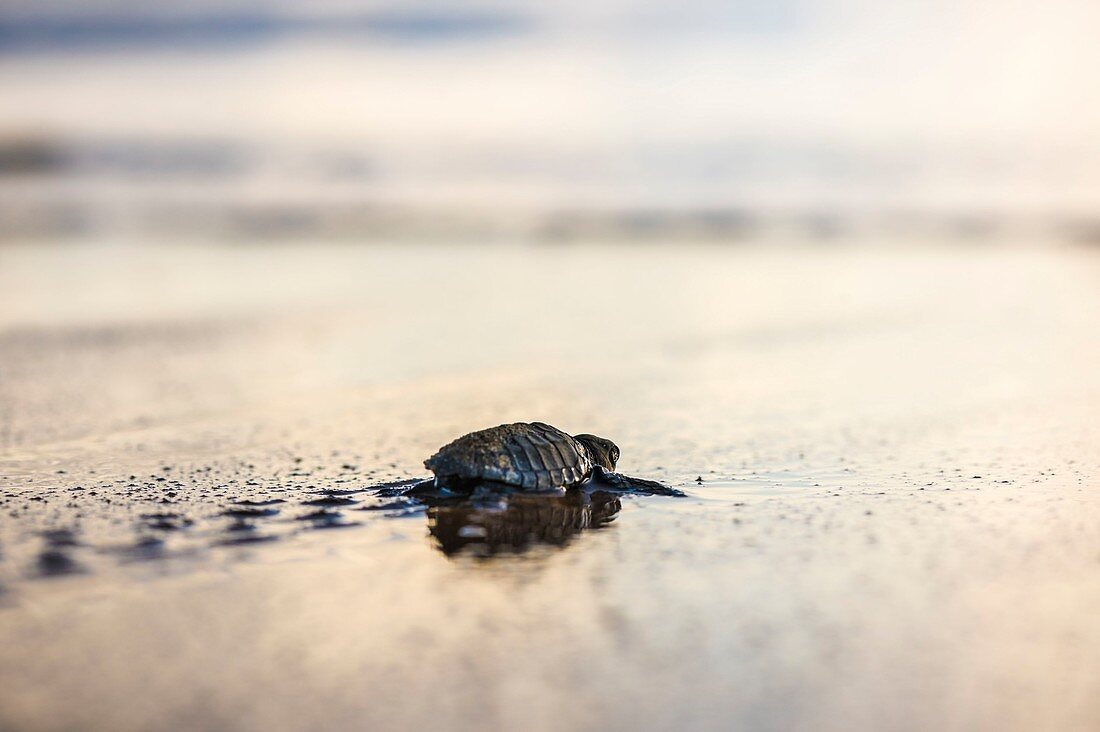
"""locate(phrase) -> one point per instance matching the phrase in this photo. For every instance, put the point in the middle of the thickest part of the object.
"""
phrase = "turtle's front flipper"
(426, 487)
(625, 483)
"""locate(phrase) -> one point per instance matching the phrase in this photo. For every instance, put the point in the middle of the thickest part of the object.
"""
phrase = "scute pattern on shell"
(532, 455)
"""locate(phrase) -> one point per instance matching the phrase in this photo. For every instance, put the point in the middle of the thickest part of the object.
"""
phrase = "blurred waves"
(630, 119)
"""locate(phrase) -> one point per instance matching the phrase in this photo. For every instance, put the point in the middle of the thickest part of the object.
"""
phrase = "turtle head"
(604, 453)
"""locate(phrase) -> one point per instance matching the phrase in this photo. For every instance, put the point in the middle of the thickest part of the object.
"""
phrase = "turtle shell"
(532, 455)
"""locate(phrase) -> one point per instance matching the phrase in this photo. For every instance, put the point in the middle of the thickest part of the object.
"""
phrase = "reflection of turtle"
(532, 456)
(513, 522)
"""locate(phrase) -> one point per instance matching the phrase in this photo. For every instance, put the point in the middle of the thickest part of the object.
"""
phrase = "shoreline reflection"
(511, 523)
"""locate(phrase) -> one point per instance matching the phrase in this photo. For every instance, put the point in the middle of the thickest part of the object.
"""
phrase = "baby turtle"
(534, 457)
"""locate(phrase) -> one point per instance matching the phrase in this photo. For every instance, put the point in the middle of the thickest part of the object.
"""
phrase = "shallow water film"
(890, 457)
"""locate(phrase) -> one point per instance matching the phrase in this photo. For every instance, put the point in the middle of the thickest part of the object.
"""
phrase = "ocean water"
(308, 119)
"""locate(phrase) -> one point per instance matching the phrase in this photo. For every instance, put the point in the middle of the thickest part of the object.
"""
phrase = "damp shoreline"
(890, 460)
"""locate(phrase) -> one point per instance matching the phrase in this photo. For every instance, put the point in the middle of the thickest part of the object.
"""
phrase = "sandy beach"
(891, 457)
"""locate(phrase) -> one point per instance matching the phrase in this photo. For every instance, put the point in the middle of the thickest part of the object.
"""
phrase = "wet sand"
(891, 456)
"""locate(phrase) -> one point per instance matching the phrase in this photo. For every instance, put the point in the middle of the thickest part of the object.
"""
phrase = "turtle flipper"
(627, 484)
(426, 487)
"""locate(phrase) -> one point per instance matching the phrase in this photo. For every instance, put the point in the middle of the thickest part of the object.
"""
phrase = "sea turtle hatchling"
(533, 457)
